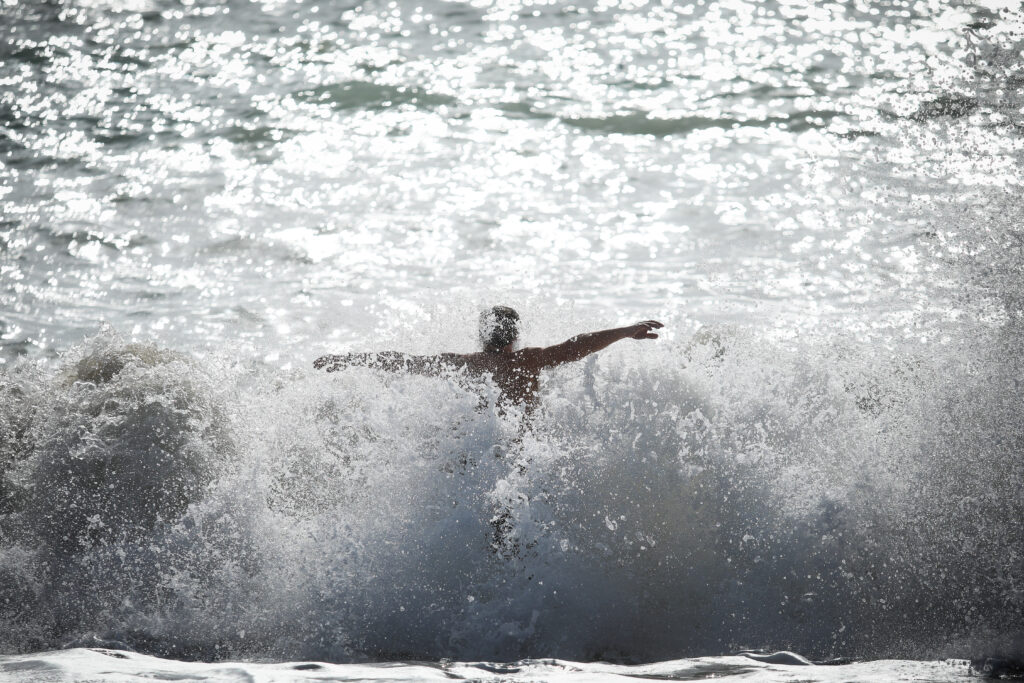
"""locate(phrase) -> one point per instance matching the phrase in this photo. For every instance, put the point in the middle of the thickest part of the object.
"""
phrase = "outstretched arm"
(389, 361)
(583, 345)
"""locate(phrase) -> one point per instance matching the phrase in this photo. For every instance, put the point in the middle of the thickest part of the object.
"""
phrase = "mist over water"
(823, 452)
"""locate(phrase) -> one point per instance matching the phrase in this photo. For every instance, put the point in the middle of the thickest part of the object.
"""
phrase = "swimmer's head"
(499, 327)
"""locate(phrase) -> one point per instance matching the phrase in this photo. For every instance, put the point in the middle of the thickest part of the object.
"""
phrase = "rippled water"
(281, 173)
(822, 453)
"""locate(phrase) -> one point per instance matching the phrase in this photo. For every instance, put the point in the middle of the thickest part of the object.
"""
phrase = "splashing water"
(688, 500)
(848, 488)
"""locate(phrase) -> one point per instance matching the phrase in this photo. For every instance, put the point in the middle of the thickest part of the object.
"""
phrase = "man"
(516, 372)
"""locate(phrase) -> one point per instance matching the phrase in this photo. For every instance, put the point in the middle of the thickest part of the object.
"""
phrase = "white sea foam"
(674, 499)
(112, 665)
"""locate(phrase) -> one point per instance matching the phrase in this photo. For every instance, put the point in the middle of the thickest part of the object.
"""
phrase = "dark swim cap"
(499, 327)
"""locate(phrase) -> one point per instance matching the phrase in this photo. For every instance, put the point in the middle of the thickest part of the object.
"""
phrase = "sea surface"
(111, 666)
(822, 453)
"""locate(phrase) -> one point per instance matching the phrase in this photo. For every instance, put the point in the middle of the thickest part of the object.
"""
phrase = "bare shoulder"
(472, 361)
(482, 361)
(532, 356)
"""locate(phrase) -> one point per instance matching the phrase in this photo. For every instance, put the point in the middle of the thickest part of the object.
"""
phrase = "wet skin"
(516, 372)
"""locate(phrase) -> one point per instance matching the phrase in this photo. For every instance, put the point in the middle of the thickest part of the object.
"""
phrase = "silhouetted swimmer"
(515, 372)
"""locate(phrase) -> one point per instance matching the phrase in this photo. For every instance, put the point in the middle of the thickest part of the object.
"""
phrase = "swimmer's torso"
(517, 374)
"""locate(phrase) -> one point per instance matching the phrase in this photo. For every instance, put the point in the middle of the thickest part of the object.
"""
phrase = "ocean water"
(98, 664)
(822, 453)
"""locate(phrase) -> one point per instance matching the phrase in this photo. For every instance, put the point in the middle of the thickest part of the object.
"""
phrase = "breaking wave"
(675, 500)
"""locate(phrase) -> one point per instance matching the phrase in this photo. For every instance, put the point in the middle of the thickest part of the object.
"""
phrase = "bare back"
(516, 373)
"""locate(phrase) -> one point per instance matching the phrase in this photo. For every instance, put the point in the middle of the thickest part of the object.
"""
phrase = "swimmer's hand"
(643, 330)
(330, 363)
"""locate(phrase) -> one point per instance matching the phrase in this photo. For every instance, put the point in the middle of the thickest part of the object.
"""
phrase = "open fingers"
(645, 329)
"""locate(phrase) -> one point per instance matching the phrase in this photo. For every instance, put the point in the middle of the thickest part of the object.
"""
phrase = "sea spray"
(690, 498)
